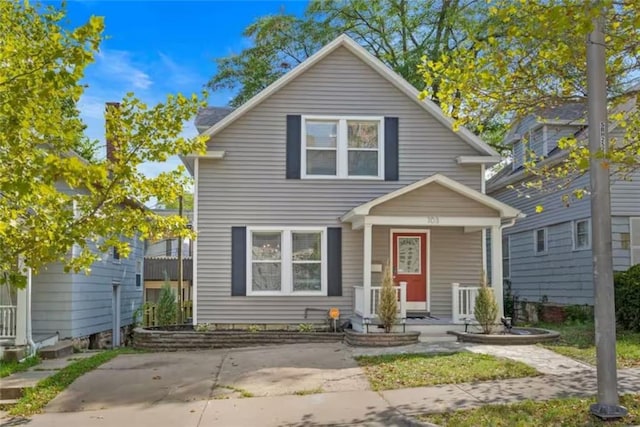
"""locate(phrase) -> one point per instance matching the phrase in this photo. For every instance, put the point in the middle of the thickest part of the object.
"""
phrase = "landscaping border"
(545, 335)
(394, 339)
(176, 340)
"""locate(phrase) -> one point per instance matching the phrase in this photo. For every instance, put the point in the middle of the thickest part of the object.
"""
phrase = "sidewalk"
(388, 408)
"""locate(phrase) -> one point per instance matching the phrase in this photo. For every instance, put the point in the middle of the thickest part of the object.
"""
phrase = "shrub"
(486, 307)
(388, 306)
(627, 295)
(306, 327)
(167, 306)
(578, 313)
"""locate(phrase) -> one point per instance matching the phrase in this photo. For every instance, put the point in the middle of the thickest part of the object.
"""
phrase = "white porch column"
(496, 267)
(366, 271)
(21, 317)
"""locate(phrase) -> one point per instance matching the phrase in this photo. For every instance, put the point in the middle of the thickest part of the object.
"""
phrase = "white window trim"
(342, 148)
(286, 270)
(545, 141)
(535, 241)
(574, 234)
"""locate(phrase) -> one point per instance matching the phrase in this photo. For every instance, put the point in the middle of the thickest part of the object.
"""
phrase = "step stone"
(56, 351)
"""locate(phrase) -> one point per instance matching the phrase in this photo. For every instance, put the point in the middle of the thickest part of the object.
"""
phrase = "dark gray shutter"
(294, 140)
(391, 172)
(334, 261)
(238, 261)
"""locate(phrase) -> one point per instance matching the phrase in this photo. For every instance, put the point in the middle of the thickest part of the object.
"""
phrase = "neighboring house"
(312, 186)
(83, 307)
(161, 263)
(547, 256)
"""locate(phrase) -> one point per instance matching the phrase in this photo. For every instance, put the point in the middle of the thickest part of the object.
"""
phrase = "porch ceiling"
(436, 200)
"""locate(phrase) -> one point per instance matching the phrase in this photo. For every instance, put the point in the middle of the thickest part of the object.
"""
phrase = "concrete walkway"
(181, 389)
(346, 408)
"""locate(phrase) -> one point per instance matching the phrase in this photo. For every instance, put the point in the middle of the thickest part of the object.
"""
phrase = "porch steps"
(56, 351)
(13, 386)
(434, 337)
(13, 354)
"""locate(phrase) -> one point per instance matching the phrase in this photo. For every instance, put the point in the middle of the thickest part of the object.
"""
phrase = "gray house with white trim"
(334, 170)
(547, 255)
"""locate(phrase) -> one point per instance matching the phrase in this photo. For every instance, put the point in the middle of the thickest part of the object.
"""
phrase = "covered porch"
(432, 233)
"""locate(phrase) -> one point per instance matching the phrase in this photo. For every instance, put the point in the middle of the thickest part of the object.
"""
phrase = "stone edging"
(507, 339)
(393, 339)
(158, 340)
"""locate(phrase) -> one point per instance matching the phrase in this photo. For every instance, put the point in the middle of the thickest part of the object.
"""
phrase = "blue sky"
(155, 48)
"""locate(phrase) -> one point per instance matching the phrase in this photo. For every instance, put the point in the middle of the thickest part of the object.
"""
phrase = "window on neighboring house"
(138, 273)
(335, 147)
(582, 234)
(286, 261)
(634, 240)
(506, 257)
(540, 242)
(116, 256)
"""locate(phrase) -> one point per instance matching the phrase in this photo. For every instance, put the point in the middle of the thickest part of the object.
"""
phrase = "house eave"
(478, 160)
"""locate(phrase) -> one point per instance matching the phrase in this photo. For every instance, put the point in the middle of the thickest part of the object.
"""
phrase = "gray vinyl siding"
(536, 142)
(621, 253)
(248, 187)
(625, 196)
(556, 133)
(93, 294)
(75, 304)
(51, 301)
(560, 275)
(454, 256)
(433, 199)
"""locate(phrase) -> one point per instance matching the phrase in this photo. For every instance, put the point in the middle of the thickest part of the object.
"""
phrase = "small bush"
(578, 313)
(388, 306)
(486, 308)
(305, 327)
(627, 295)
(167, 306)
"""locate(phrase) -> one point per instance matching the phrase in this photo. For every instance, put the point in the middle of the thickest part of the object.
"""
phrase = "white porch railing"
(8, 321)
(359, 301)
(463, 301)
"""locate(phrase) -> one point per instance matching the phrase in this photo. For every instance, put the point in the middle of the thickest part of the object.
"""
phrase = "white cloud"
(117, 66)
(180, 75)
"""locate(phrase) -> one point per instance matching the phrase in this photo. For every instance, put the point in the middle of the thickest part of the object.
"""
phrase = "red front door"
(410, 263)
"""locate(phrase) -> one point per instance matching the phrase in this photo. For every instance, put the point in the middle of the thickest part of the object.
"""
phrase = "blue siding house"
(547, 255)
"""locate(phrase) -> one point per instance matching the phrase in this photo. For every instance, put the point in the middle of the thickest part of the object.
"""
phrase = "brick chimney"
(110, 143)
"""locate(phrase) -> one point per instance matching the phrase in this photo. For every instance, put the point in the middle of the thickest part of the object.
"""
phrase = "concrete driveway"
(148, 379)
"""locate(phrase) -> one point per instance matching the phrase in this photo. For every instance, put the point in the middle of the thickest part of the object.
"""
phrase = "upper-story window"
(342, 147)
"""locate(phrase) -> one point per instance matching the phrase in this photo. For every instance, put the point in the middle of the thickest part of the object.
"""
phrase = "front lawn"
(558, 412)
(577, 340)
(419, 370)
(8, 368)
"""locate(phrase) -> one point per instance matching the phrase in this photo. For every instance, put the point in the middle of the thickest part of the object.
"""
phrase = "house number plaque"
(433, 220)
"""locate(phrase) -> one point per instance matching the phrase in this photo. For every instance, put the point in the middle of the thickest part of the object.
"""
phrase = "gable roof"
(209, 116)
(505, 210)
(373, 62)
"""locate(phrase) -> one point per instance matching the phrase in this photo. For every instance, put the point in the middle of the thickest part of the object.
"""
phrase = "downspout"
(32, 345)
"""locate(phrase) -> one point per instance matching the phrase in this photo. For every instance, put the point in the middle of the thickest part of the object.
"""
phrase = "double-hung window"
(540, 241)
(342, 147)
(582, 234)
(286, 261)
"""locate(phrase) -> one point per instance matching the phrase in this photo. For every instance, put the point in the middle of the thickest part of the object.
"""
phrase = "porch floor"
(435, 320)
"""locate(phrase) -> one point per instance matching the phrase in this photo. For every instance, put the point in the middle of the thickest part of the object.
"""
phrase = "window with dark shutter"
(238, 261)
(391, 163)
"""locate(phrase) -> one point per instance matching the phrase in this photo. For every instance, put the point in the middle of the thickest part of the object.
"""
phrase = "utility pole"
(607, 405)
(180, 268)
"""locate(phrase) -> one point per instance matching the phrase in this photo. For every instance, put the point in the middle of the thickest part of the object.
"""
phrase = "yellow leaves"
(539, 209)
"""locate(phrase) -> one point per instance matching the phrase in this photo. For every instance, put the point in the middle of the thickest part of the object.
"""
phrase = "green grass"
(558, 412)
(8, 368)
(308, 391)
(577, 340)
(418, 370)
(36, 398)
(243, 393)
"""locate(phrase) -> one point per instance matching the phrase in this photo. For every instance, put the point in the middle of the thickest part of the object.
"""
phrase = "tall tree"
(56, 205)
(398, 32)
(532, 55)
